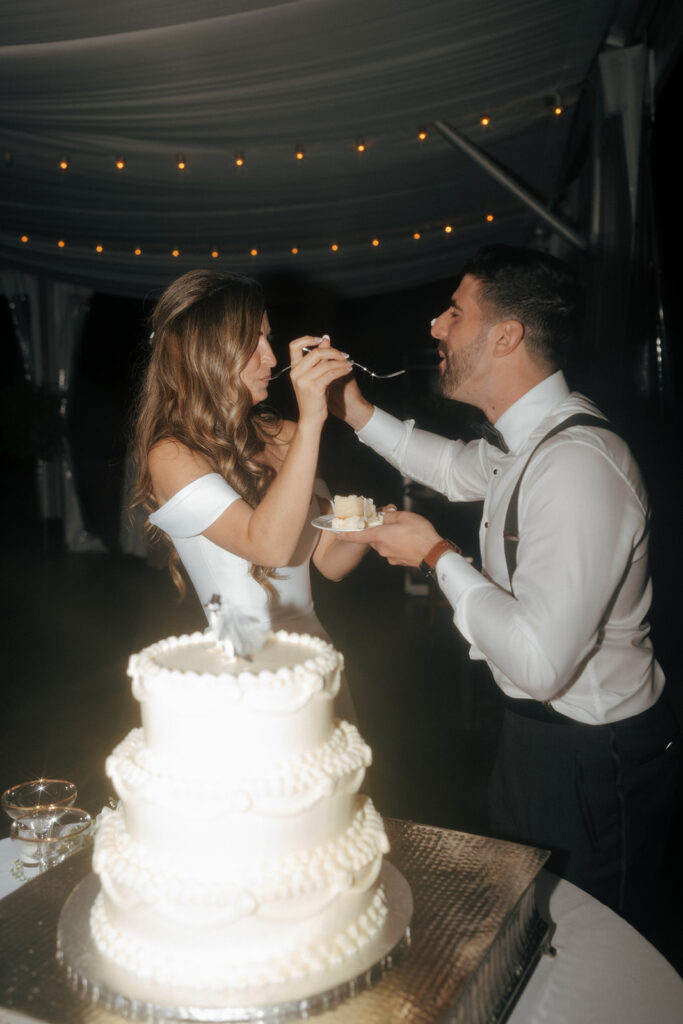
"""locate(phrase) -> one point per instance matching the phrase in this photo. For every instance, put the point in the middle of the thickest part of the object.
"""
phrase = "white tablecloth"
(604, 971)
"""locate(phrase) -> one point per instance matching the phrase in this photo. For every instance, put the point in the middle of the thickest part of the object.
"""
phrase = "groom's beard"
(461, 364)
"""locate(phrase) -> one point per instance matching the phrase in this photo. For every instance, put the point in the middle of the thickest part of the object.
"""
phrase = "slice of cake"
(353, 512)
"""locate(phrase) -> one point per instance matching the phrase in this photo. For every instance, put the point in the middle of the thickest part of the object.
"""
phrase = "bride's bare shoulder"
(172, 465)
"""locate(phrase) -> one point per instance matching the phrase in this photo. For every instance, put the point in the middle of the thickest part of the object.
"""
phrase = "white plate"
(325, 523)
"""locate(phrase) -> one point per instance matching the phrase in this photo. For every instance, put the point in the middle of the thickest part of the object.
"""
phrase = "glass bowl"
(45, 836)
(27, 796)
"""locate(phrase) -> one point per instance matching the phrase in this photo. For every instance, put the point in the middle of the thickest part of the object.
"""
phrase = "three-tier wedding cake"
(241, 854)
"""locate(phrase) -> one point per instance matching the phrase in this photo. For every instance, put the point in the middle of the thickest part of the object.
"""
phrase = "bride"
(233, 485)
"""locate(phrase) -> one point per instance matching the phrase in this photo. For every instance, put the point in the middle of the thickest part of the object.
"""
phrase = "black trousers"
(599, 798)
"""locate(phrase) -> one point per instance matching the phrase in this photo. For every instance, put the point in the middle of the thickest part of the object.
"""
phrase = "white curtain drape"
(151, 81)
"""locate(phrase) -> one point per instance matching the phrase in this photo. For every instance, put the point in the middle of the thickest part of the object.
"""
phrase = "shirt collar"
(517, 422)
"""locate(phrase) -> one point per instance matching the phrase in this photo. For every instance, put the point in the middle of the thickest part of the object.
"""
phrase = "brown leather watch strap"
(428, 563)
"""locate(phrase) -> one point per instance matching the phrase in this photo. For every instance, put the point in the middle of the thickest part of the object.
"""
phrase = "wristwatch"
(428, 563)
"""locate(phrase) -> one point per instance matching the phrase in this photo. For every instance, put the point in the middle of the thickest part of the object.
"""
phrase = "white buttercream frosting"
(288, 666)
(290, 787)
(220, 967)
(350, 860)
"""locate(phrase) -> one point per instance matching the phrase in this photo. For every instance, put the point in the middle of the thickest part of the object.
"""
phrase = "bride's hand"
(313, 372)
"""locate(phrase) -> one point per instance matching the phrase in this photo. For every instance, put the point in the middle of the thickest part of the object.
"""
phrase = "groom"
(588, 758)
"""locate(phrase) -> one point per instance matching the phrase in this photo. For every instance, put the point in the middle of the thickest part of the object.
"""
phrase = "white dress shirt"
(574, 632)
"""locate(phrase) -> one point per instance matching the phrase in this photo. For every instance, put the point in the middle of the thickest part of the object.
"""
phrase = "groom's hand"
(404, 538)
(344, 399)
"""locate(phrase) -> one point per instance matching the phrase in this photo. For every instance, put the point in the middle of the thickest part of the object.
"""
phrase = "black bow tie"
(493, 436)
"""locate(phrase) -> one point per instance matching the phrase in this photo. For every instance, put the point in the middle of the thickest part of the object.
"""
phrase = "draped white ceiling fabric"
(151, 79)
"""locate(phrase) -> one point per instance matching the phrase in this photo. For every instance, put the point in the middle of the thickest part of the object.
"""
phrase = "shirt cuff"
(456, 577)
(383, 432)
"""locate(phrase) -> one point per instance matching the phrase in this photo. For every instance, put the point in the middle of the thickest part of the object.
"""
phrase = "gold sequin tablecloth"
(474, 930)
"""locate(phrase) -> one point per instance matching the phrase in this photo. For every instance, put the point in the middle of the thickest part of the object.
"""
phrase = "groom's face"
(463, 333)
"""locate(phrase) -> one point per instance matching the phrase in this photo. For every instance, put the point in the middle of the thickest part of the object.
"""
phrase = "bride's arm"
(267, 534)
(333, 558)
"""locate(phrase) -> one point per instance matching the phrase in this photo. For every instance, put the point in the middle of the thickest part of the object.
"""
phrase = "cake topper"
(235, 632)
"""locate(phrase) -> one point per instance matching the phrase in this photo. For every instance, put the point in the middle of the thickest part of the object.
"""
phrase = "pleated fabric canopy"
(235, 90)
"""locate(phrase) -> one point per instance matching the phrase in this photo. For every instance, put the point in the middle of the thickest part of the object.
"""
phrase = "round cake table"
(601, 970)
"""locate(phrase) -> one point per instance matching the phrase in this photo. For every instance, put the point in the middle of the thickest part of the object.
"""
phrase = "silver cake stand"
(103, 983)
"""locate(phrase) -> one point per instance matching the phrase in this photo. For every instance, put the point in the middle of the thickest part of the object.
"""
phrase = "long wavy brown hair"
(205, 328)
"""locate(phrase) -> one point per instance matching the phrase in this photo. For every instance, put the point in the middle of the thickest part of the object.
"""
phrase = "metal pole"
(503, 177)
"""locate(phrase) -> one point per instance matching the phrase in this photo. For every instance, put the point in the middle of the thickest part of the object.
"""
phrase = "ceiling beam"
(504, 178)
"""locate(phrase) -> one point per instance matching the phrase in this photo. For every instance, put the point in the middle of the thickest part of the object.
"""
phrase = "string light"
(299, 152)
(484, 120)
(376, 242)
(239, 159)
(63, 163)
(360, 145)
(120, 163)
(181, 162)
(555, 103)
(422, 135)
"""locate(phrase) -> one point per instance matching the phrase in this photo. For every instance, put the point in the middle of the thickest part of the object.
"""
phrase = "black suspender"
(511, 528)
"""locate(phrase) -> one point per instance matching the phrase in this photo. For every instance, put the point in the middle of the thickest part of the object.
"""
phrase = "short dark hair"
(533, 287)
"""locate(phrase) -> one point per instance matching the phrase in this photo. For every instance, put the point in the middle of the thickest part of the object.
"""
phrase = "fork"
(377, 376)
